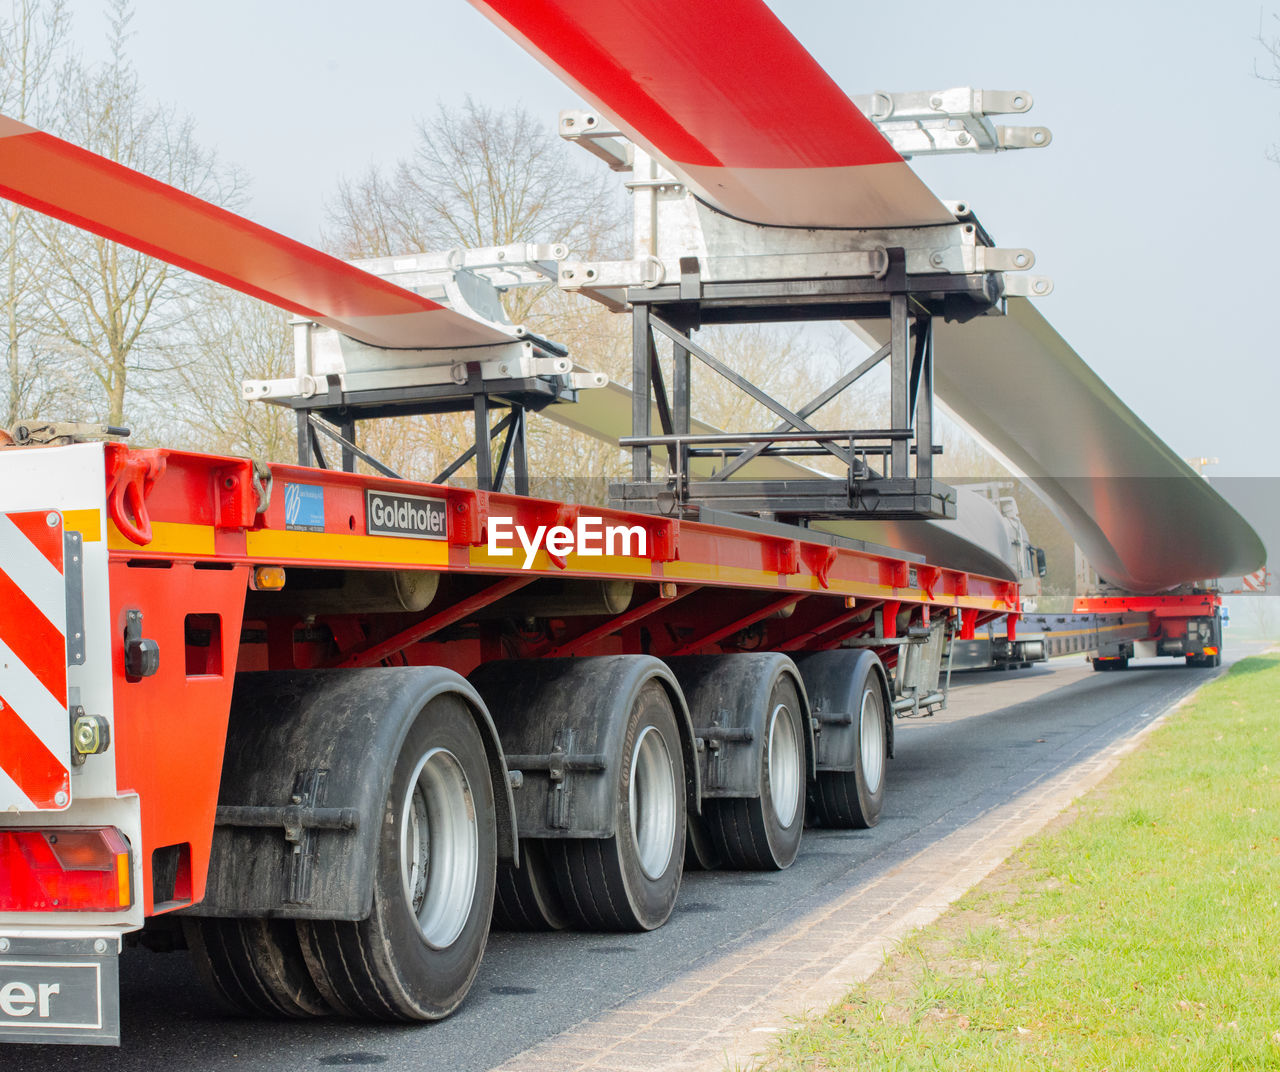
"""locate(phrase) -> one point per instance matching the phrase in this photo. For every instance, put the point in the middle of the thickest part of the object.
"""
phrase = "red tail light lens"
(65, 869)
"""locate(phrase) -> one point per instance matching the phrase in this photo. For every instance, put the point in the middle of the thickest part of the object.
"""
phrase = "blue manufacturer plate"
(304, 507)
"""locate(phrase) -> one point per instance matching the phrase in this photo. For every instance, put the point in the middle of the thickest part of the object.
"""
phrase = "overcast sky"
(1154, 210)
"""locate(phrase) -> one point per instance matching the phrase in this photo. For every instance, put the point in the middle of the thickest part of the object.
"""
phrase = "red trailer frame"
(704, 589)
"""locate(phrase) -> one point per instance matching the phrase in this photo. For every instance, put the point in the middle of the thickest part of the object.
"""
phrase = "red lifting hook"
(131, 474)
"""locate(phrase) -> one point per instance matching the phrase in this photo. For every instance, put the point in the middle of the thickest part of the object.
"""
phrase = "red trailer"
(319, 711)
(1185, 624)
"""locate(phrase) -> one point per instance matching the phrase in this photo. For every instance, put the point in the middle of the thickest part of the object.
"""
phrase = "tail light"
(64, 869)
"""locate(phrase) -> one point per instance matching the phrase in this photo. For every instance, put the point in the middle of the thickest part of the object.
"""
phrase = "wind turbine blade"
(1144, 518)
(89, 191)
(723, 94)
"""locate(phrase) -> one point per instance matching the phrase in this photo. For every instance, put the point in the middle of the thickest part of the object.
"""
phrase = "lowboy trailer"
(318, 725)
(1185, 624)
(1107, 630)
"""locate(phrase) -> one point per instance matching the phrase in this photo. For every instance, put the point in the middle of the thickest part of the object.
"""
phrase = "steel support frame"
(901, 490)
(335, 416)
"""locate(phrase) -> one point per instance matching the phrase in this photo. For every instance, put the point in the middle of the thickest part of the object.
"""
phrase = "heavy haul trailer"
(1184, 624)
(332, 725)
(1108, 626)
(1108, 631)
(311, 713)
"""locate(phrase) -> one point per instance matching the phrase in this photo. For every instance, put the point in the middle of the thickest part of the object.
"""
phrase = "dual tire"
(416, 955)
(762, 833)
(627, 882)
(850, 704)
(854, 799)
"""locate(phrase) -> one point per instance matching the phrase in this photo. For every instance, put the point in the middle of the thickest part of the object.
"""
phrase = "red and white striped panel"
(35, 745)
(1258, 581)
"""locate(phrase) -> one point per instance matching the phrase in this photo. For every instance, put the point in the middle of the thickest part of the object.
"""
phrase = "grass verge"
(1141, 931)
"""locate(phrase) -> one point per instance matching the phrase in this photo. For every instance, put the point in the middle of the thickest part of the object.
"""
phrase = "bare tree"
(33, 37)
(226, 339)
(476, 177)
(112, 307)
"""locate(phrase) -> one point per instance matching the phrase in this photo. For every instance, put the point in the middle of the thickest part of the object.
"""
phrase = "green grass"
(1144, 934)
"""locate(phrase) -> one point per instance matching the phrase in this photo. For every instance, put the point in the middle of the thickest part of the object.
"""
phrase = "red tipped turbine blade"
(61, 180)
(725, 96)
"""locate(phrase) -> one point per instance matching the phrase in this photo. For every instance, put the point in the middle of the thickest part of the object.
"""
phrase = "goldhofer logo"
(405, 515)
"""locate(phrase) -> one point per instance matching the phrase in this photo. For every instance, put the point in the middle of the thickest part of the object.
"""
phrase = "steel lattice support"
(889, 470)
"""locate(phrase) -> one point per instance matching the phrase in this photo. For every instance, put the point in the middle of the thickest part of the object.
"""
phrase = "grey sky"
(1154, 210)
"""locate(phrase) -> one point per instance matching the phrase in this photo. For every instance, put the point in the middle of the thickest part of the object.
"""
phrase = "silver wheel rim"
(652, 795)
(872, 740)
(439, 847)
(784, 766)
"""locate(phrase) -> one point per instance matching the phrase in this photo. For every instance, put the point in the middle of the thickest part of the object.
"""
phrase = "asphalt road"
(1002, 733)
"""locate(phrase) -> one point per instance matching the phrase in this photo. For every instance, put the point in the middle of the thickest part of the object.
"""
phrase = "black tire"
(440, 810)
(700, 851)
(763, 833)
(526, 897)
(604, 883)
(853, 799)
(255, 966)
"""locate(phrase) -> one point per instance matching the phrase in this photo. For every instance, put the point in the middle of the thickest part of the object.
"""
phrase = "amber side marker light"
(268, 578)
(65, 869)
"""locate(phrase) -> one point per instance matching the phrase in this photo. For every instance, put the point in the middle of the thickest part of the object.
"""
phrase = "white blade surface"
(1144, 519)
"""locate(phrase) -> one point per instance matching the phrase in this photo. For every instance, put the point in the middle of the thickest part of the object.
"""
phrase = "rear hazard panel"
(40, 603)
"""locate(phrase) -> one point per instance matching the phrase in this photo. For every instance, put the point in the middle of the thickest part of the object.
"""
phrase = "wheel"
(526, 897)
(416, 955)
(854, 798)
(629, 882)
(255, 966)
(763, 833)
